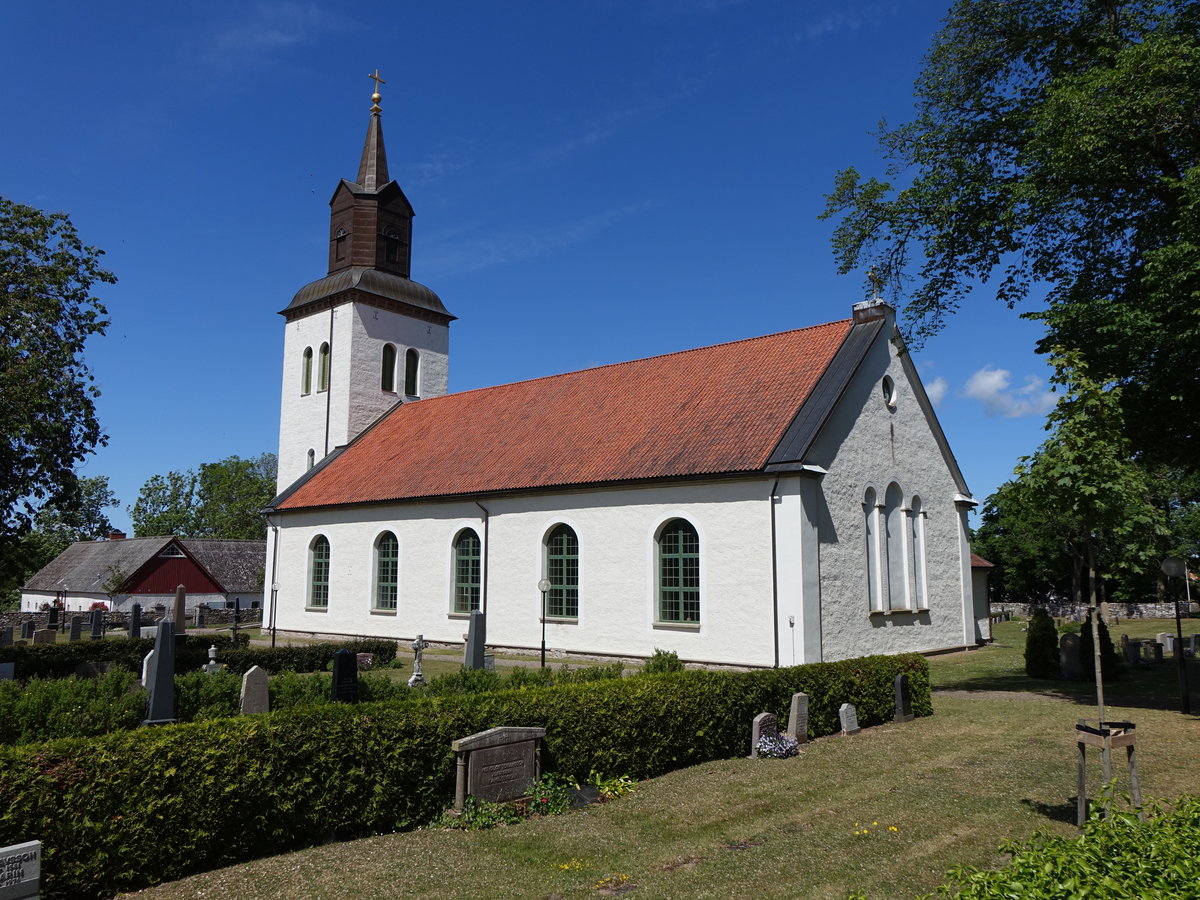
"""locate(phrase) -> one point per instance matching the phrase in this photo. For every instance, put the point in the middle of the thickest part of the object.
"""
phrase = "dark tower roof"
(370, 240)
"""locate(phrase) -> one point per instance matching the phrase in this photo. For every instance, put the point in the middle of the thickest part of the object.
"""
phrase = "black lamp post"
(544, 585)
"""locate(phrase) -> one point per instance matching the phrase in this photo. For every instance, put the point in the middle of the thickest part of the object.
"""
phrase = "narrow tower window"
(306, 372)
(387, 374)
(323, 369)
(412, 361)
(318, 572)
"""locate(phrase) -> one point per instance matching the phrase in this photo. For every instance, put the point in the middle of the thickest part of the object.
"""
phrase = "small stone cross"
(418, 677)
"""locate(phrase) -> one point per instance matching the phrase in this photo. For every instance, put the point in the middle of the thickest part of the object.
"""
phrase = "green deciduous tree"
(47, 312)
(1056, 146)
(220, 500)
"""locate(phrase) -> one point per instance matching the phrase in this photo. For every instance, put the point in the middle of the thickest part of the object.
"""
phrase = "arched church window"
(467, 571)
(679, 573)
(562, 571)
(412, 361)
(318, 573)
(896, 523)
(387, 374)
(323, 369)
(387, 571)
(306, 372)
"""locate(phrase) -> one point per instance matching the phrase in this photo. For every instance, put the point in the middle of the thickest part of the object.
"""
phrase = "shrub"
(1041, 646)
(1110, 665)
(662, 661)
(197, 796)
(1117, 856)
(44, 709)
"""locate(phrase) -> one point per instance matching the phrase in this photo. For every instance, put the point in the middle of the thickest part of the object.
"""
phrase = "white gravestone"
(797, 727)
(256, 696)
(849, 716)
(21, 871)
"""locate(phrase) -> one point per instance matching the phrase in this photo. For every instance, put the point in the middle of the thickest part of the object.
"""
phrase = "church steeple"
(370, 218)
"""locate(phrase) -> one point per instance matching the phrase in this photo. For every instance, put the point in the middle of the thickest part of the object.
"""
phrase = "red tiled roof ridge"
(626, 362)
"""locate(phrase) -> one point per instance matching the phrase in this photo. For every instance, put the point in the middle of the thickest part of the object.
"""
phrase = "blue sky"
(593, 182)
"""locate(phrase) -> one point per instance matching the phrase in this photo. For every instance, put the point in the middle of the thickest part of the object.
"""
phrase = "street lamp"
(1175, 567)
(544, 586)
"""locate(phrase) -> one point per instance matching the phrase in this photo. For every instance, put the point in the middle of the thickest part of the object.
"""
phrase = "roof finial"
(876, 282)
(376, 97)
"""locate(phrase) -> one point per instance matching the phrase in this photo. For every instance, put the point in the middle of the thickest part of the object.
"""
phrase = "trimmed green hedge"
(123, 811)
(62, 660)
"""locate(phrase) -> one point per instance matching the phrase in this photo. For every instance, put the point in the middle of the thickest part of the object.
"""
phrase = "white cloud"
(266, 27)
(992, 388)
(846, 20)
(936, 390)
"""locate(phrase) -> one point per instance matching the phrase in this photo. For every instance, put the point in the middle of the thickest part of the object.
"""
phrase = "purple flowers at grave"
(773, 745)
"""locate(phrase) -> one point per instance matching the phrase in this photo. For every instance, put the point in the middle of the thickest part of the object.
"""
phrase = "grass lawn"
(984, 768)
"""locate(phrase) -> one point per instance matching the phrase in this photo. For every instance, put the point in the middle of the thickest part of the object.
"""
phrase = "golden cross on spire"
(376, 97)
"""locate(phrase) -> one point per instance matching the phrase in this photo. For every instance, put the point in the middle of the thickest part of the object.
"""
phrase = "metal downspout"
(774, 573)
(486, 548)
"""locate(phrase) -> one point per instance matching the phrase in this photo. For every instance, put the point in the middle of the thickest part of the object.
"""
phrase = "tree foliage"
(1041, 646)
(220, 500)
(47, 312)
(1056, 146)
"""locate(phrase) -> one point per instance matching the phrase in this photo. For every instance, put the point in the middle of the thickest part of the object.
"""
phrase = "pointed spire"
(373, 170)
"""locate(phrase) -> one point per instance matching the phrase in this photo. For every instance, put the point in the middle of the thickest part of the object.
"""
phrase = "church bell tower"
(365, 337)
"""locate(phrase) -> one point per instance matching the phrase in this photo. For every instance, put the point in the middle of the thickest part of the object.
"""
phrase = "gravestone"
(76, 628)
(1131, 650)
(160, 707)
(6, 634)
(52, 619)
(97, 624)
(135, 620)
(497, 765)
(1166, 639)
(27, 628)
(179, 613)
(476, 638)
(849, 719)
(149, 631)
(903, 693)
(8, 671)
(1125, 646)
(418, 677)
(147, 669)
(1158, 651)
(44, 636)
(1068, 657)
(1194, 644)
(256, 697)
(797, 727)
(764, 723)
(345, 677)
(21, 871)
(237, 617)
(363, 661)
(201, 618)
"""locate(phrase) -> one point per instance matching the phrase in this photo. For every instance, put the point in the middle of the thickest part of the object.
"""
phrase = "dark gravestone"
(1194, 644)
(52, 619)
(764, 723)
(345, 677)
(6, 636)
(76, 628)
(97, 624)
(797, 727)
(256, 694)
(237, 617)
(201, 619)
(7, 673)
(903, 692)
(27, 629)
(1158, 651)
(498, 764)
(476, 638)
(1068, 657)
(135, 620)
(44, 636)
(160, 677)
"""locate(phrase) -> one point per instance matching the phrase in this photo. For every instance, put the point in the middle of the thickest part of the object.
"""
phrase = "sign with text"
(21, 871)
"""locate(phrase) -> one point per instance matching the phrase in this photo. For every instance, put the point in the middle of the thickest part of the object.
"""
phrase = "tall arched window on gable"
(387, 369)
(318, 573)
(412, 361)
(920, 577)
(306, 371)
(679, 573)
(387, 572)
(323, 369)
(562, 571)
(897, 548)
(871, 517)
(466, 571)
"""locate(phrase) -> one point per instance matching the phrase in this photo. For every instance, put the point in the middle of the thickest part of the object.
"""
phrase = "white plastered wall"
(616, 529)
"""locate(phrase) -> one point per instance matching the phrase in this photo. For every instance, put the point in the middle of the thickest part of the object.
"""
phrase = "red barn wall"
(163, 574)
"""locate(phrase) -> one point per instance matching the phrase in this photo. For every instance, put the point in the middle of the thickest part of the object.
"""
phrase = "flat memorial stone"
(21, 871)
(849, 719)
(498, 764)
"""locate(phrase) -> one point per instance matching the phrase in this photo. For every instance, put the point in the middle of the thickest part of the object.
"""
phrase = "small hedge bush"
(42, 710)
(1117, 857)
(119, 812)
(1041, 646)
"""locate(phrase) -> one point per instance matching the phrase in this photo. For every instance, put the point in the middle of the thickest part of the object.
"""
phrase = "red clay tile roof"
(714, 410)
(978, 562)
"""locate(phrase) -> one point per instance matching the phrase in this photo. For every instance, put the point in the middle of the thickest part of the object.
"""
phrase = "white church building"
(774, 501)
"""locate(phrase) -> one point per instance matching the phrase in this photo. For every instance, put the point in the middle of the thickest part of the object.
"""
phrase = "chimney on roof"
(116, 535)
(870, 310)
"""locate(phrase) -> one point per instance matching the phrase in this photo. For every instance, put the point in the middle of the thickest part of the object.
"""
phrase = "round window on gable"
(889, 391)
